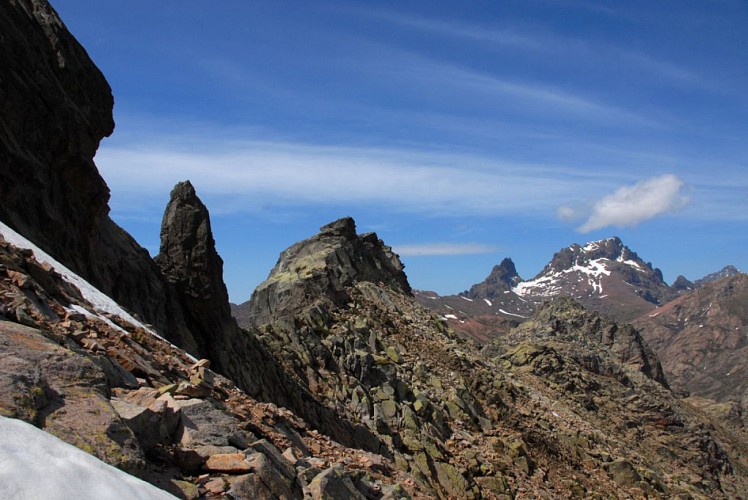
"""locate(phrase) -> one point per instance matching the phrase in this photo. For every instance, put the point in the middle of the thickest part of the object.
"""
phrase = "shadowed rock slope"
(194, 269)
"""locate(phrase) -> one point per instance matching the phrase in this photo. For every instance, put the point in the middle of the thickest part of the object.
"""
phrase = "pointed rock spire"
(502, 278)
(190, 263)
(188, 254)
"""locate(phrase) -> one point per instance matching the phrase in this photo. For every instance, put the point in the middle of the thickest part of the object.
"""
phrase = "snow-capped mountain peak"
(599, 271)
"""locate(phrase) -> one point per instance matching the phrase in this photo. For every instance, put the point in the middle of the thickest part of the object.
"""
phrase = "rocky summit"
(324, 267)
(335, 382)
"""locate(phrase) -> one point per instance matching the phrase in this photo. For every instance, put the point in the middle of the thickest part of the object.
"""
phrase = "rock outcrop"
(589, 331)
(681, 284)
(56, 107)
(323, 267)
(725, 272)
(194, 269)
(567, 403)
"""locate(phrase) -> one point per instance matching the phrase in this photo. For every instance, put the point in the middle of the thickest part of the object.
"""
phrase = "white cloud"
(568, 214)
(442, 249)
(631, 205)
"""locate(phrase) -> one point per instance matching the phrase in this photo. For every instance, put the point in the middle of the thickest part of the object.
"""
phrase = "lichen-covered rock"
(64, 393)
(333, 484)
(322, 267)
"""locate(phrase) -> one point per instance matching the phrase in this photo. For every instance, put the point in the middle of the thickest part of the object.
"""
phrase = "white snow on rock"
(450, 316)
(82, 310)
(89, 292)
(591, 246)
(631, 263)
(37, 465)
(512, 314)
(549, 285)
(469, 300)
(488, 302)
(100, 302)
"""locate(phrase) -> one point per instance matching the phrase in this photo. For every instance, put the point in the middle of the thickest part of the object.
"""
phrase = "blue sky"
(461, 132)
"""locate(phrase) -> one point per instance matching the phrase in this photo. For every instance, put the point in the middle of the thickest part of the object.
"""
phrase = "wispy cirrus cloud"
(243, 176)
(442, 249)
(552, 44)
(630, 205)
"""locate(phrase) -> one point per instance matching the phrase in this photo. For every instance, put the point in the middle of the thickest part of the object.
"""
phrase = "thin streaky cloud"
(462, 30)
(456, 80)
(442, 249)
(242, 176)
(549, 43)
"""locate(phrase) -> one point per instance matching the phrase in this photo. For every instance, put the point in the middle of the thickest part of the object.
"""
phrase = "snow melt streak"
(100, 301)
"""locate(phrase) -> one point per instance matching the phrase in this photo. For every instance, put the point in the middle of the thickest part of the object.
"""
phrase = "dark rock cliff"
(192, 266)
(55, 108)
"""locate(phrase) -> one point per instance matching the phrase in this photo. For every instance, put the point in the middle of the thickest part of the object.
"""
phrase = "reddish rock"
(233, 463)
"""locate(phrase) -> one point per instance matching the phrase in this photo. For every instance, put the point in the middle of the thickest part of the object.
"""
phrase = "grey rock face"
(565, 318)
(321, 267)
(64, 393)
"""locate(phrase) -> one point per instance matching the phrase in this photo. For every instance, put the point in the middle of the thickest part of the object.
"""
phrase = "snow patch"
(512, 314)
(82, 310)
(463, 297)
(591, 246)
(550, 284)
(488, 302)
(631, 263)
(450, 316)
(36, 464)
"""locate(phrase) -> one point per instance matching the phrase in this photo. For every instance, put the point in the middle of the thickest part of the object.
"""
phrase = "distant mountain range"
(605, 276)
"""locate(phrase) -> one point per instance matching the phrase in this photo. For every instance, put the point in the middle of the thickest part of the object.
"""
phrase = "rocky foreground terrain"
(336, 384)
